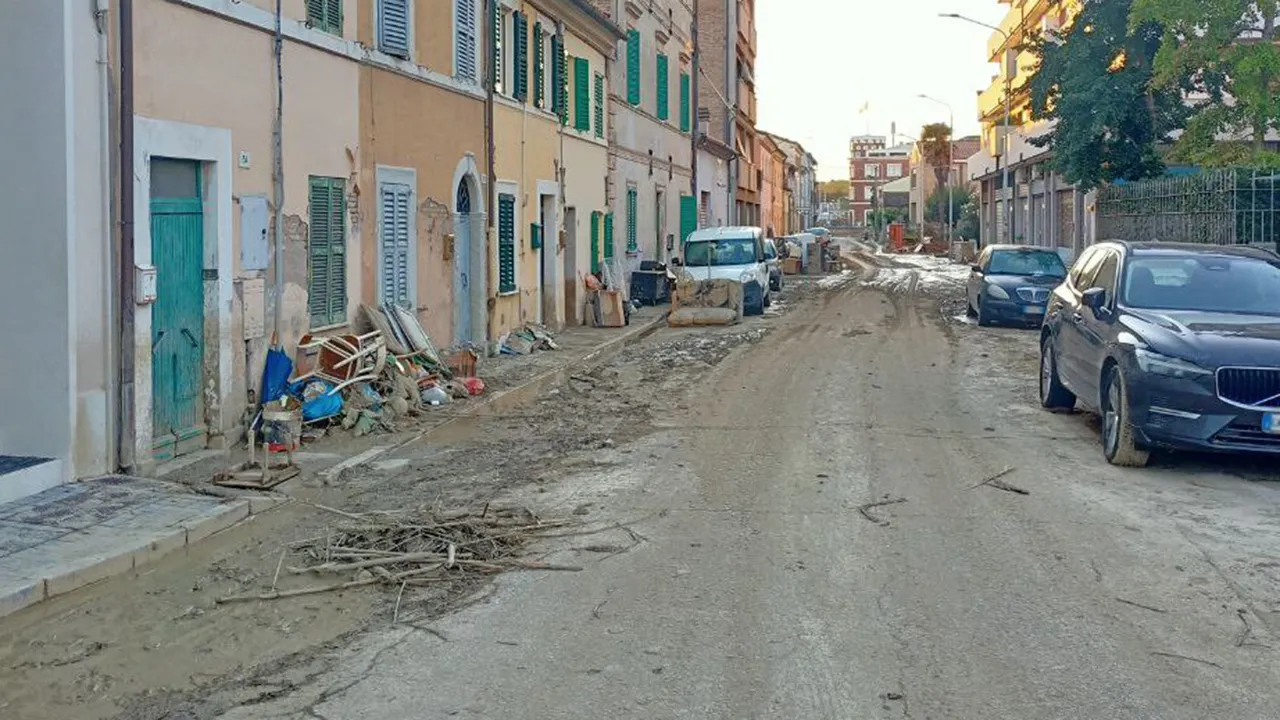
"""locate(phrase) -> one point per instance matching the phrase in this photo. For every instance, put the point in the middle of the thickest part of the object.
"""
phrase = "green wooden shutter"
(664, 98)
(539, 68)
(608, 236)
(599, 105)
(535, 236)
(465, 39)
(327, 251)
(393, 27)
(685, 120)
(688, 217)
(325, 15)
(595, 241)
(632, 245)
(633, 67)
(581, 94)
(559, 81)
(506, 243)
(520, 85)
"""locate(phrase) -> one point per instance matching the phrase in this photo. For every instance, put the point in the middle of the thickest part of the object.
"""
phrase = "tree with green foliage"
(1224, 53)
(936, 208)
(935, 148)
(1094, 80)
(880, 219)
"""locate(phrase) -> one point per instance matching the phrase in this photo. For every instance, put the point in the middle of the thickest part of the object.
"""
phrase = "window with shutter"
(464, 40)
(495, 45)
(595, 241)
(599, 105)
(631, 220)
(560, 79)
(539, 67)
(581, 94)
(393, 27)
(688, 217)
(633, 67)
(664, 99)
(608, 236)
(394, 244)
(506, 243)
(326, 251)
(325, 15)
(520, 56)
(685, 118)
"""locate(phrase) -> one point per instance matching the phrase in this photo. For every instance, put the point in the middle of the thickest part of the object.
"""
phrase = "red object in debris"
(474, 385)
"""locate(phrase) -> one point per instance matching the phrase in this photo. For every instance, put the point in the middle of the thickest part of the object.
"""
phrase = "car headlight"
(1155, 363)
(997, 292)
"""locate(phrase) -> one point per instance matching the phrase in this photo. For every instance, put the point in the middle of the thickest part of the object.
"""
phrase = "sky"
(819, 61)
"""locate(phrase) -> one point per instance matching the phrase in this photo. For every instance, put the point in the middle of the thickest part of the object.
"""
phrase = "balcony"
(991, 100)
(1035, 16)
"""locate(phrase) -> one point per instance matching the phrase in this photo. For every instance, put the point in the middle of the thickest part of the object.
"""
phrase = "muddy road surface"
(850, 509)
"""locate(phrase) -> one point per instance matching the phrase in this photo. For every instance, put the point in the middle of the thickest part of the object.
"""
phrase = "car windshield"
(724, 251)
(1027, 262)
(1208, 283)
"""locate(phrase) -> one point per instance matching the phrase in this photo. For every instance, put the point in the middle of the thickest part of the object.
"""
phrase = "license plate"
(1033, 310)
(1271, 423)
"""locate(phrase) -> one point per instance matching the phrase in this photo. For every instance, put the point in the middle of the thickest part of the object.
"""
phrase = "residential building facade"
(652, 121)
(727, 96)
(771, 168)
(1038, 206)
(871, 165)
(802, 169)
(925, 177)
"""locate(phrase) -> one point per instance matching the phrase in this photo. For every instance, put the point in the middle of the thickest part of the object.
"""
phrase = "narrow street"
(813, 538)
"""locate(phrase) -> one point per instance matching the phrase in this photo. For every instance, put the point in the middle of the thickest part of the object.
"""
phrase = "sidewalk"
(76, 534)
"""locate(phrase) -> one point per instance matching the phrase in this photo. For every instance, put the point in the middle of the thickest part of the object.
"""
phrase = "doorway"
(547, 254)
(177, 316)
(659, 225)
(572, 301)
(462, 265)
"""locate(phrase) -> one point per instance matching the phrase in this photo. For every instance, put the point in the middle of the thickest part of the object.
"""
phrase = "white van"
(731, 253)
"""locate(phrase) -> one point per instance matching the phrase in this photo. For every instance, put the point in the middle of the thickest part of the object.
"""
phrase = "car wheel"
(984, 318)
(969, 311)
(1118, 442)
(1053, 395)
(768, 300)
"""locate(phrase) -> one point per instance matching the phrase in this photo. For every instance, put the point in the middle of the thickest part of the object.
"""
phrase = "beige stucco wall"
(408, 123)
(203, 69)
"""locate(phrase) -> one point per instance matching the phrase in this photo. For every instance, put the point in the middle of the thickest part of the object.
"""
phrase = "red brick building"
(872, 165)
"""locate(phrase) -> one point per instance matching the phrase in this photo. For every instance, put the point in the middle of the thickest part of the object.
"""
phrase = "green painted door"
(177, 316)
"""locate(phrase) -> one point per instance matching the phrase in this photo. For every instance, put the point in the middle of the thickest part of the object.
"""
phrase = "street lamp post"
(951, 163)
(1008, 91)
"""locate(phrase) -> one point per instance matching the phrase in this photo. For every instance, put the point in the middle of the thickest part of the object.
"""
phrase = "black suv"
(1176, 346)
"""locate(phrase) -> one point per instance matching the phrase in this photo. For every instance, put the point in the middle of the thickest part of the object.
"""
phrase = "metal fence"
(1234, 206)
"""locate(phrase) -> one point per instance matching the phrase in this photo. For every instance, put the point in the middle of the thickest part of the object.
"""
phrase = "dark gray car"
(1011, 284)
(1175, 346)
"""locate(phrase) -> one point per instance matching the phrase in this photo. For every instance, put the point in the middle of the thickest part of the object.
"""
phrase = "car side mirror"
(977, 269)
(1095, 299)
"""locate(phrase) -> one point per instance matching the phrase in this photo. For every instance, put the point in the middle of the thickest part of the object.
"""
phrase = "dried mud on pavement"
(852, 507)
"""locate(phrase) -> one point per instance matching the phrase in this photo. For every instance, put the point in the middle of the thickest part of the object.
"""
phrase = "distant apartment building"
(802, 183)
(1038, 207)
(872, 165)
(925, 177)
(727, 96)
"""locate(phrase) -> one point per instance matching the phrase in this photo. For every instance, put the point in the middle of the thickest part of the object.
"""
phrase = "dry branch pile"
(418, 547)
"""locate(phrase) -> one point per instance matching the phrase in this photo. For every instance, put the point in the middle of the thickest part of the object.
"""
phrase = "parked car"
(1011, 284)
(732, 253)
(1175, 346)
(775, 266)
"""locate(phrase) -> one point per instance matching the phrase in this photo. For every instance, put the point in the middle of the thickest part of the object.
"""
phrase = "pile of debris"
(526, 340)
(417, 548)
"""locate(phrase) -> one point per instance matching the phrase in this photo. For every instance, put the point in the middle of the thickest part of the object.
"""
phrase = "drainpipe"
(101, 12)
(277, 189)
(491, 179)
(694, 125)
(125, 430)
(731, 91)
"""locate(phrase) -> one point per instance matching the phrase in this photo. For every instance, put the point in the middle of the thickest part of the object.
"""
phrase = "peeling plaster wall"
(207, 71)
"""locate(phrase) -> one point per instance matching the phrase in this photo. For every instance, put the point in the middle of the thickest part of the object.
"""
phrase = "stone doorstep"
(75, 560)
